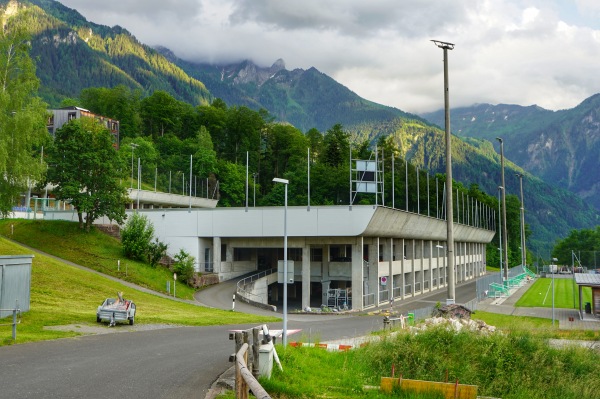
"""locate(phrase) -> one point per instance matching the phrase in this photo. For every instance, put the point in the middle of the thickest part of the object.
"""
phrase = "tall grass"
(507, 365)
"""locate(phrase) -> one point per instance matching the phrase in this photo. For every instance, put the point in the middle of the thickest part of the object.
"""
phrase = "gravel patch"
(103, 328)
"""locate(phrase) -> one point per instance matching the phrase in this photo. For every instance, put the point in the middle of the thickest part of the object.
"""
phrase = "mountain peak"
(277, 65)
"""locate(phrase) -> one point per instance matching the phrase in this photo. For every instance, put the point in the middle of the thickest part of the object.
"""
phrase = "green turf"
(62, 294)
(540, 294)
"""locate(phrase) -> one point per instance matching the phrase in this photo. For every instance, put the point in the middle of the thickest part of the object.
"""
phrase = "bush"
(184, 266)
(156, 250)
(136, 237)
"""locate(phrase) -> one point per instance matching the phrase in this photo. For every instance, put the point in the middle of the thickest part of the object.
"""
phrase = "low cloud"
(507, 51)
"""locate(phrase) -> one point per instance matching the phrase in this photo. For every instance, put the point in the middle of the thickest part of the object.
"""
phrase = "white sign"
(174, 276)
(384, 280)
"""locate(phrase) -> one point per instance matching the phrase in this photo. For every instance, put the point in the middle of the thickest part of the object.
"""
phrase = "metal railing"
(408, 289)
(240, 286)
(397, 292)
(384, 296)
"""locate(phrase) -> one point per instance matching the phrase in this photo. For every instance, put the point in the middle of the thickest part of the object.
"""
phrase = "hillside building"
(61, 116)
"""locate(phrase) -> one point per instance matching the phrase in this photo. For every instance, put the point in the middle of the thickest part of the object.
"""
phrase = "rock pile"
(455, 324)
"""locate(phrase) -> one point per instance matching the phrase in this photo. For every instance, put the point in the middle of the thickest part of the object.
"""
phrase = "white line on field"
(548, 290)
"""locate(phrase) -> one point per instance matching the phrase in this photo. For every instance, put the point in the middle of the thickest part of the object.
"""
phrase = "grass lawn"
(62, 294)
(540, 294)
(94, 249)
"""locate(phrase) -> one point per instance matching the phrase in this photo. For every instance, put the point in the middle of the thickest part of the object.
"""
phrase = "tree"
(23, 116)
(86, 169)
(337, 145)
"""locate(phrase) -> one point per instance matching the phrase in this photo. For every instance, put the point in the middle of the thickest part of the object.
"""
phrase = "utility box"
(265, 360)
(15, 283)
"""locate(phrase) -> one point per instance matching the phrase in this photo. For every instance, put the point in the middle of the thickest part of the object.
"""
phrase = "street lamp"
(523, 252)
(449, 212)
(504, 233)
(285, 267)
(133, 147)
(500, 188)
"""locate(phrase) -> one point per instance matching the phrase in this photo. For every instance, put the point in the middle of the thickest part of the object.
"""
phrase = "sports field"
(540, 294)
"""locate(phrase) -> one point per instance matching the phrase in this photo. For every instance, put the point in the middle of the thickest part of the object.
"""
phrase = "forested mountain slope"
(560, 147)
(73, 54)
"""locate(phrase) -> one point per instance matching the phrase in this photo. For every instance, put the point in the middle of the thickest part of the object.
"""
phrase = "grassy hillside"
(62, 294)
(95, 250)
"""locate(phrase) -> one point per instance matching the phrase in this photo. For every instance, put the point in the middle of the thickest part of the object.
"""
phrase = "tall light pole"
(254, 175)
(450, 217)
(285, 267)
(500, 188)
(504, 233)
(523, 252)
(133, 147)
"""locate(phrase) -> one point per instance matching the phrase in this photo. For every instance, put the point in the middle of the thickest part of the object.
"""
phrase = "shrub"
(156, 250)
(184, 266)
(136, 237)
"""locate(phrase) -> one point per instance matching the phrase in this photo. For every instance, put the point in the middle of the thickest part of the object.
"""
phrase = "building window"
(71, 116)
(340, 253)
(316, 254)
(242, 254)
(223, 252)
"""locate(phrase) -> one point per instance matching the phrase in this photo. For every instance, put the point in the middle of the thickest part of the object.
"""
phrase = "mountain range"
(73, 53)
(558, 146)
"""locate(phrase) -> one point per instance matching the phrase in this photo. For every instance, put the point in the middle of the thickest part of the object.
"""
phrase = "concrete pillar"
(373, 280)
(324, 289)
(430, 279)
(216, 255)
(412, 263)
(402, 265)
(421, 246)
(325, 276)
(390, 244)
(305, 276)
(357, 274)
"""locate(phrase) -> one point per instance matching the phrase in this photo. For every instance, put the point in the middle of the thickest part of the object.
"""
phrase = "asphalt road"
(163, 363)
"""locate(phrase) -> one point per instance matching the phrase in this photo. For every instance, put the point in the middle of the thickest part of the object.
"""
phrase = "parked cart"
(116, 309)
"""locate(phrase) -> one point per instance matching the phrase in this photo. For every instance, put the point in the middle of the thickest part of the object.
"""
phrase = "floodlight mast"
(504, 226)
(449, 207)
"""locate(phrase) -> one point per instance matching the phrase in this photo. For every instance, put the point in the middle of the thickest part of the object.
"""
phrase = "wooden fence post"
(255, 352)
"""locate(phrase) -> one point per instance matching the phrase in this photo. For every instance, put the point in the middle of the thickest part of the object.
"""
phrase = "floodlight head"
(499, 139)
(439, 246)
(500, 188)
(446, 45)
(554, 260)
(278, 180)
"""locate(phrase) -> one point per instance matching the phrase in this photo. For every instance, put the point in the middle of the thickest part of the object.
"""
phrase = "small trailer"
(116, 309)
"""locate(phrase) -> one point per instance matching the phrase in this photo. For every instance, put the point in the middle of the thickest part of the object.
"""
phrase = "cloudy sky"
(544, 52)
